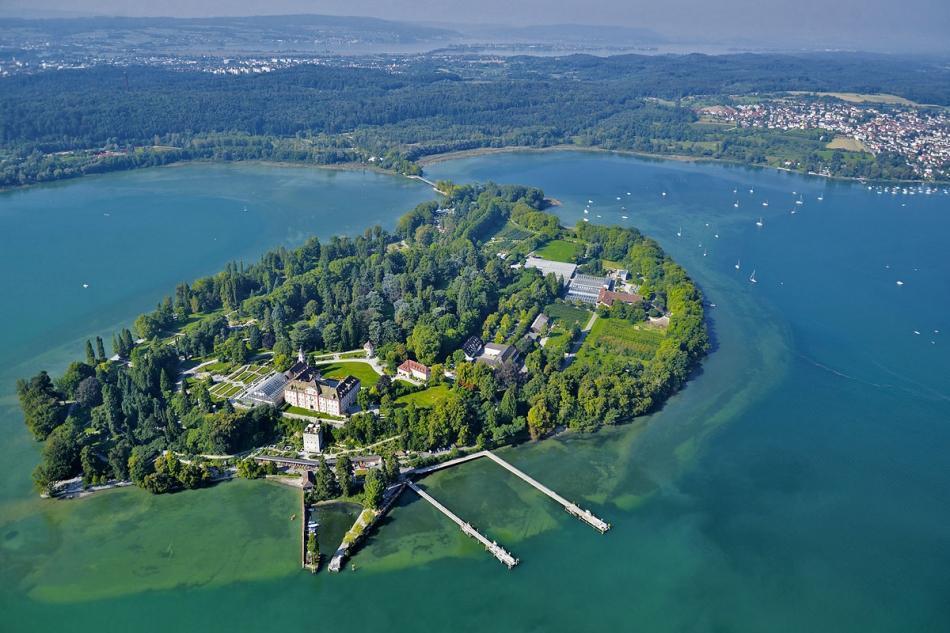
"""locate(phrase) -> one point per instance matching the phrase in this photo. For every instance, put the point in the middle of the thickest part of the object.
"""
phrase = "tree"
(90, 355)
(390, 467)
(373, 488)
(60, 454)
(509, 405)
(539, 419)
(313, 548)
(88, 393)
(42, 409)
(325, 485)
(344, 475)
(426, 342)
(100, 350)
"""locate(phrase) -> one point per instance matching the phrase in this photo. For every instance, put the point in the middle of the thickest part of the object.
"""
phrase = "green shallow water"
(798, 483)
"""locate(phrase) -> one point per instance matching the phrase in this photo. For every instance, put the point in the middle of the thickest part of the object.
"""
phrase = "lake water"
(799, 483)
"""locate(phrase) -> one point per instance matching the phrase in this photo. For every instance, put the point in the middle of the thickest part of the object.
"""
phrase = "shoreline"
(432, 159)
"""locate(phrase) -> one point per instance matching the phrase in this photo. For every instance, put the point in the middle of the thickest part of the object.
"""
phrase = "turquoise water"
(799, 483)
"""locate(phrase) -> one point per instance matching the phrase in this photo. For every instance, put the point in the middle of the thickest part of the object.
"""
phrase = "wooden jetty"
(572, 508)
(494, 548)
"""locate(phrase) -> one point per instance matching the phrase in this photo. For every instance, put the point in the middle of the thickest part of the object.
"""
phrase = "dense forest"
(418, 292)
(63, 124)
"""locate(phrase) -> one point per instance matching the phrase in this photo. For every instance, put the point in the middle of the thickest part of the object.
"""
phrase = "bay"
(799, 482)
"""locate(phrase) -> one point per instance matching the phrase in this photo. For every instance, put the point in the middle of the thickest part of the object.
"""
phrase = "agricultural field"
(425, 398)
(561, 251)
(619, 338)
(566, 315)
(364, 371)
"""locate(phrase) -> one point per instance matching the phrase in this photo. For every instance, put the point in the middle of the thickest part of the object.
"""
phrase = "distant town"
(921, 136)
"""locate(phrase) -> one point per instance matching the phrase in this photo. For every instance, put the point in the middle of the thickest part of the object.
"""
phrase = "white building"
(307, 389)
(562, 270)
(313, 438)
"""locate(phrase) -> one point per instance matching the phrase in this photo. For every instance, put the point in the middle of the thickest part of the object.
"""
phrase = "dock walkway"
(572, 508)
(494, 548)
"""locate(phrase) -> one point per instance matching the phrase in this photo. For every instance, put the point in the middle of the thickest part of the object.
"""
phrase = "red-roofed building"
(411, 369)
(608, 297)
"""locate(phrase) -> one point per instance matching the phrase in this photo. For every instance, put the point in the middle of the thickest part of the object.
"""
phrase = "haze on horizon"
(872, 25)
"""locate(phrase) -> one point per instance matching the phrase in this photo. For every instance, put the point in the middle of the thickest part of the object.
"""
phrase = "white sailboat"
(752, 277)
(799, 201)
(765, 204)
(679, 232)
(737, 264)
(759, 223)
(820, 198)
(736, 204)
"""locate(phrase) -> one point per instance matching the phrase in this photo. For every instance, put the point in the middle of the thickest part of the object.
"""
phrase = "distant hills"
(298, 33)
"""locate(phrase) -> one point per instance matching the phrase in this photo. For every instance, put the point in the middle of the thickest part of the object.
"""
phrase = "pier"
(572, 508)
(494, 548)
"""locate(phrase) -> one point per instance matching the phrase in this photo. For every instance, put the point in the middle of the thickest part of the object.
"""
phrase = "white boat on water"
(736, 204)
(820, 198)
(752, 277)
(759, 223)
(679, 232)
(623, 217)
(663, 194)
(737, 264)
(765, 204)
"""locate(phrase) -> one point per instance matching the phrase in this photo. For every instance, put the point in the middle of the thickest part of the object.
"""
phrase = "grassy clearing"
(616, 337)
(367, 376)
(858, 97)
(567, 315)
(560, 251)
(847, 143)
(425, 398)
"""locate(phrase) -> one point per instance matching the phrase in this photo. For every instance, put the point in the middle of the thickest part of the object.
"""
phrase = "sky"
(885, 25)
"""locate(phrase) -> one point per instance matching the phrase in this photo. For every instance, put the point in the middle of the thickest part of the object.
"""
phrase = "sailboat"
(752, 277)
(679, 232)
(820, 198)
(765, 204)
(704, 252)
(759, 223)
(736, 204)
(663, 194)
(737, 264)
(799, 201)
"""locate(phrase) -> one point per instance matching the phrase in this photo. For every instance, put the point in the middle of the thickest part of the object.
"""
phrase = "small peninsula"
(478, 322)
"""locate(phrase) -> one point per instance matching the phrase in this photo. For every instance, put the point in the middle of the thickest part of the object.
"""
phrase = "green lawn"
(363, 371)
(560, 251)
(312, 414)
(616, 337)
(566, 315)
(425, 398)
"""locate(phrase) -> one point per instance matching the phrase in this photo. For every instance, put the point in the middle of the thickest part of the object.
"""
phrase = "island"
(478, 322)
